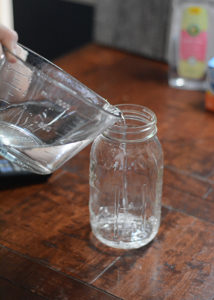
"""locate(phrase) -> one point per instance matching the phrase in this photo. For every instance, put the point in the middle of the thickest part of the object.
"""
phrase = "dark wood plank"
(21, 278)
(10, 292)
(53, 228)
(177, 265)
(87, 59)
(189, 194)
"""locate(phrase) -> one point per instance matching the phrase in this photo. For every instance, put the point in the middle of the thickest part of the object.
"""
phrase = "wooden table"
(47, 250)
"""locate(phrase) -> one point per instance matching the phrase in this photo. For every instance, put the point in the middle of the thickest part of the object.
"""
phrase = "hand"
(9, 39)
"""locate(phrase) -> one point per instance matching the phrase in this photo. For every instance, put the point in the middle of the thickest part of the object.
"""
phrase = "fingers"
(9, 39)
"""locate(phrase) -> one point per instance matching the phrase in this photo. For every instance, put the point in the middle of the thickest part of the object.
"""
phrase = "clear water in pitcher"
(40, 144)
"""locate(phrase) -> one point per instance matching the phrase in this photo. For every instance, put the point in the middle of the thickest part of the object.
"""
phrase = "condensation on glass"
(126, 170)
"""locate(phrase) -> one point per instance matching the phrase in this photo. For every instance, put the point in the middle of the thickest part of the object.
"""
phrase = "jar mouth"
(136, 117)
(138, 122)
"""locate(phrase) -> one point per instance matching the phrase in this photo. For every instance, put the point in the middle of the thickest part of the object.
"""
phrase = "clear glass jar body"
(126, 170)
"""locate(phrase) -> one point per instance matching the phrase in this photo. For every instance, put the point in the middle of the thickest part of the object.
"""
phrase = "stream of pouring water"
(125, 161)
(124, 184)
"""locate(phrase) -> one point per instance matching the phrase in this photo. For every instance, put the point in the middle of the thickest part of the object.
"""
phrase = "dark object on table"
(12, 176)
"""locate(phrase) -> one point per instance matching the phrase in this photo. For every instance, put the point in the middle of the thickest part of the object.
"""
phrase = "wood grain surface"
(47, 250)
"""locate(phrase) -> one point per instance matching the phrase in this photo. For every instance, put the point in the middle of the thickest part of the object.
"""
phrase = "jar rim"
(139, 124)
(135, 111)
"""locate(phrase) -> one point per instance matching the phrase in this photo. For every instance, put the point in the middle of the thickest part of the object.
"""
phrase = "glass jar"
(126, 170)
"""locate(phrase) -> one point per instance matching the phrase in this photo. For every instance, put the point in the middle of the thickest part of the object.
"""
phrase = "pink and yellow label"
(193, 43)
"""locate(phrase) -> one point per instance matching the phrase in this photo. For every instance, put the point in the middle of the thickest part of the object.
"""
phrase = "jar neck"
(138, 124)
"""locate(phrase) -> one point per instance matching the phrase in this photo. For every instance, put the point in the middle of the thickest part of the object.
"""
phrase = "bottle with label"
(209, 95)
(191, 43)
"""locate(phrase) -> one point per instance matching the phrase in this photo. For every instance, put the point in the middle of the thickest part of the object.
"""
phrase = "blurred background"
(55, 27)
(49, 27)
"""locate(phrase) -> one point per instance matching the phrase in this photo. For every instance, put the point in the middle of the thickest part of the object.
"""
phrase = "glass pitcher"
(46, 115)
